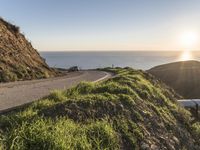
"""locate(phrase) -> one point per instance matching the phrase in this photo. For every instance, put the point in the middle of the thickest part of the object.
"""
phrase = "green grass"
(123, 112)
(63, 134)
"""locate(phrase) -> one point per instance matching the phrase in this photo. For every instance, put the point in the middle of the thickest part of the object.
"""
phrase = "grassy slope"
(129, 111)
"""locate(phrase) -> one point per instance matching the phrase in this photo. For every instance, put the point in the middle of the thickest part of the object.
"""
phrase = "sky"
(73, 25)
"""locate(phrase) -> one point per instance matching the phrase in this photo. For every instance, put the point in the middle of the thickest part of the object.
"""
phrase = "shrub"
(6, 76)
(11, 27)
(57, 95)
(196, 129)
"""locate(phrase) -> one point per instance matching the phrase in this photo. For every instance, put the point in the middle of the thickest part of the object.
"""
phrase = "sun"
(189, 39)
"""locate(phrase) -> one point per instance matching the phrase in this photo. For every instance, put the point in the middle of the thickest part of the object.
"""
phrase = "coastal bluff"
(183, 77)
(18, 59)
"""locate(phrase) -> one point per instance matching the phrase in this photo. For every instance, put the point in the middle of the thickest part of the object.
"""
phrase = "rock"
(120, 107)
(74, 106)
(176, 140)
(154, 147)
(162, 139)
(170, 147)
(145, 146)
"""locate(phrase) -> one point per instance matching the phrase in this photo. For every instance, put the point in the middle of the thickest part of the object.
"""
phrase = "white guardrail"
(189, 102)
(193, 105)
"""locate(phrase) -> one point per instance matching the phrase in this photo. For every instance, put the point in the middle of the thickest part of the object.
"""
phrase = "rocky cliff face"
(18, 59)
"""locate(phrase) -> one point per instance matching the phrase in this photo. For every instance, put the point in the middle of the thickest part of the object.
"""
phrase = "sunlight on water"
(135, 59)
(186, 55)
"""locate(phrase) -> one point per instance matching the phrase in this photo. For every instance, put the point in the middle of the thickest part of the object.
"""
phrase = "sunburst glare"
(189, 40)
(186, 55)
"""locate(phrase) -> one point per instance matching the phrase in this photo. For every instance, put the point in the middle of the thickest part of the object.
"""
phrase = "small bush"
(11, 27)
(6, 76)
(196, 129)
(82, 88)
(57, 95)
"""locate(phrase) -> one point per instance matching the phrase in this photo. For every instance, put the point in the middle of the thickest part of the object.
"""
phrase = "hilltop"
(132, 110)
(183, 77)
(18, 59)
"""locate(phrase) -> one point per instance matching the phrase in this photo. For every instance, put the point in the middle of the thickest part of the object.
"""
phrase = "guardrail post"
(197, 111)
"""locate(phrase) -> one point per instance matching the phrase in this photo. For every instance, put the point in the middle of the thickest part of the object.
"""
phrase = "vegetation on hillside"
(11, 27)
(129, 111)
(18, 59)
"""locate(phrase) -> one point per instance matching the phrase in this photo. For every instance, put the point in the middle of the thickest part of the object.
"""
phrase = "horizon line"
(116, 50)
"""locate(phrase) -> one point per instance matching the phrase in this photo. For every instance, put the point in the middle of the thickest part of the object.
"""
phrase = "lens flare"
(186, 55)
(189, 40)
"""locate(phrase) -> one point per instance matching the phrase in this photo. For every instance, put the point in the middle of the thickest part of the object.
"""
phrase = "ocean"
(137, 59)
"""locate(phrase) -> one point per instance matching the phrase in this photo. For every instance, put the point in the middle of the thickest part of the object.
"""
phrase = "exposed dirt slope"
(18, 59)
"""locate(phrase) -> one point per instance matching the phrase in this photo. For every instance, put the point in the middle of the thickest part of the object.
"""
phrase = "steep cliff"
(18, 59)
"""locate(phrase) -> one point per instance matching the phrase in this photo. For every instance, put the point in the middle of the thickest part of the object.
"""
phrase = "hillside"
(183, 77)
(18, 59)
(133, 110)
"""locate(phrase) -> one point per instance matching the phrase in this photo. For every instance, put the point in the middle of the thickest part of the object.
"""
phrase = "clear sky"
(105, 24)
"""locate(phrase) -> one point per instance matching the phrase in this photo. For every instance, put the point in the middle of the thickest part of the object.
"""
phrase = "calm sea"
(136, 59)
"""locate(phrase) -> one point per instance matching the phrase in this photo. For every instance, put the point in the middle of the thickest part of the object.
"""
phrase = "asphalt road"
(21, 92)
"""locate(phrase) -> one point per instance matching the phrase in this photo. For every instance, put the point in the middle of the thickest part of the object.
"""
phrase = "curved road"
(22, 92)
